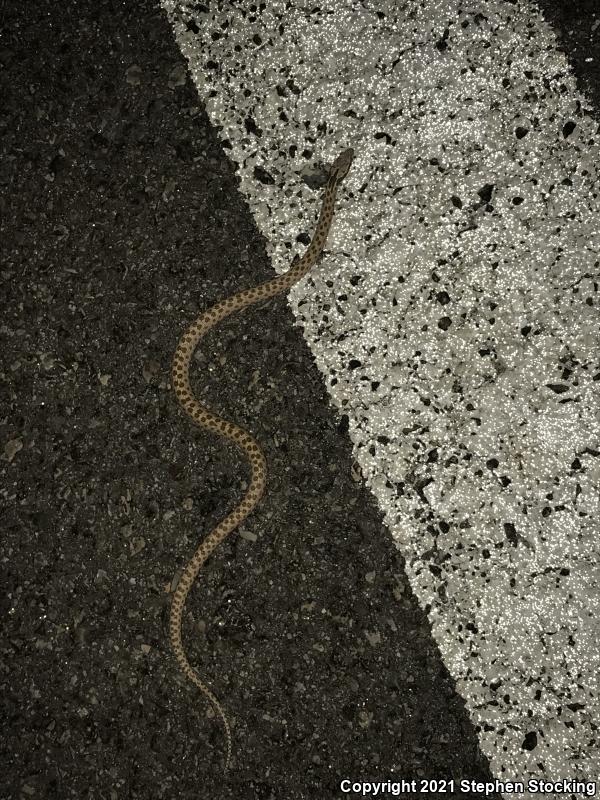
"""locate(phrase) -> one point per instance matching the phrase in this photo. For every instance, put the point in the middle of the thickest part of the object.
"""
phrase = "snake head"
(339, 168)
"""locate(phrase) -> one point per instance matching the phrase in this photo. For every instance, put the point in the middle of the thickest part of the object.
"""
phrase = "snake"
(209, 421)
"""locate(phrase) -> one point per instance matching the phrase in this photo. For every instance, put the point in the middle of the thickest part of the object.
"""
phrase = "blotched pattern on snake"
(211, 422)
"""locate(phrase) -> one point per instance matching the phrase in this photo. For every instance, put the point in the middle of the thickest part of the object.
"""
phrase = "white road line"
(455, 319)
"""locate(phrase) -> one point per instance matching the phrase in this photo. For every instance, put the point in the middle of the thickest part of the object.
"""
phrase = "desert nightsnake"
(211, 422)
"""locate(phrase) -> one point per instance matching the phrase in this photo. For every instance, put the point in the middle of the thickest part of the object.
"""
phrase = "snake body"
(211, 422)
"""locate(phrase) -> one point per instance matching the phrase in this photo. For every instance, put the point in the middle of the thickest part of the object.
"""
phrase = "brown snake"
(211, 422)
